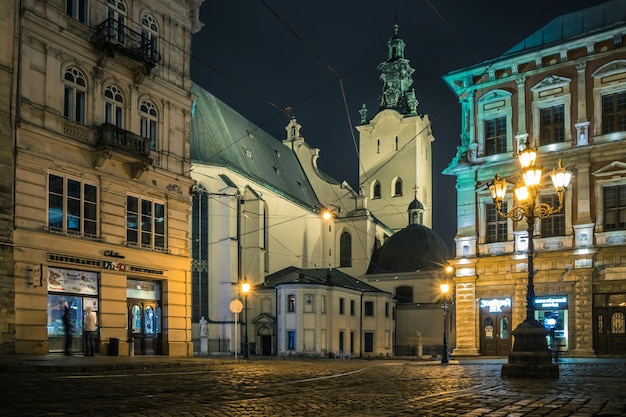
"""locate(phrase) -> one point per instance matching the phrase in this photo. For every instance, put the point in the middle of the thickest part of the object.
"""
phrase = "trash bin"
(114, 346)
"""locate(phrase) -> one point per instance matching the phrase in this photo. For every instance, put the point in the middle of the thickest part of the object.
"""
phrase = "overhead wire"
(338, 76)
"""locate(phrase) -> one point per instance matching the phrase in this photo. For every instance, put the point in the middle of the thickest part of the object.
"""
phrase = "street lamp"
(444, 292)
(245, 288)
(530, 357)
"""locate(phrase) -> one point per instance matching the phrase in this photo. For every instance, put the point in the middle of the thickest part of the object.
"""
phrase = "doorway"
(144, 324)
(495, 334)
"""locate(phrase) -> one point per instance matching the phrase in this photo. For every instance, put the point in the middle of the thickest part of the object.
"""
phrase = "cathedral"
(321, 269)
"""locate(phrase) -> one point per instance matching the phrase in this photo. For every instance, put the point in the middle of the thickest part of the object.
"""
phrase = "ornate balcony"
(132, 148)
(112, 37)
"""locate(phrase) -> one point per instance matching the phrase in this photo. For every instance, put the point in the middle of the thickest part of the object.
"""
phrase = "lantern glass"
(560, 177)
(521, 193)
(532, 177)
(527, 157)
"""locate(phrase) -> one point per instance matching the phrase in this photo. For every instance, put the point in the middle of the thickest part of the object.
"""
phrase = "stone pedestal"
(204, 345)
(530, 357)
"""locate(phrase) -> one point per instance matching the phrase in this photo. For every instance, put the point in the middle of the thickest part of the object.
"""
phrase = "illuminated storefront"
(551, 311)
(495, 326)
(77, 290)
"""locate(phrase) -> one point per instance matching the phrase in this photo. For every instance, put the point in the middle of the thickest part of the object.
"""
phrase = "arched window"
(345, 250)
(149, 119)
(376, 190)
(404, 294)
(75, 95)
(149, 35)
(117, 20)
(113, 106)
(398, 188)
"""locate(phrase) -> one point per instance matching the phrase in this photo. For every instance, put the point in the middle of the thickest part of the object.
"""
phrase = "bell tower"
(395, 145)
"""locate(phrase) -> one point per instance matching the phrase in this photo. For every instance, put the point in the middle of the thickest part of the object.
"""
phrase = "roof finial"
(395, 24)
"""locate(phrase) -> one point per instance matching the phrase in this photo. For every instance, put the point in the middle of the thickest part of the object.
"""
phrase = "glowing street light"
(245, 288)
(530, 357)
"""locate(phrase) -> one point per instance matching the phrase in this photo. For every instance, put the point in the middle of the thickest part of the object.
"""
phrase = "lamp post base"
(530, 357)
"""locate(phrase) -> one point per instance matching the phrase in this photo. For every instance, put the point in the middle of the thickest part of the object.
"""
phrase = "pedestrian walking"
(67, 327)
(89, 328)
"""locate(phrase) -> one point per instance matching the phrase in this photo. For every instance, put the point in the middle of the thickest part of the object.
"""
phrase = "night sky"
(320, 58)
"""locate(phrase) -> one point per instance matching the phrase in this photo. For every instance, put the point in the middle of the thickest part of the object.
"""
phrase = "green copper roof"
(222, 137)
(573, 25)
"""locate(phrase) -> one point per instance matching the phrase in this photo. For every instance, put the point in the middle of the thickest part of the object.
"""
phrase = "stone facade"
(565, 99)
(99, 144)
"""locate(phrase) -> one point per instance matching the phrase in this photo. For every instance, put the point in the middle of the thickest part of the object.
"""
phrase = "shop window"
(72, 206)
(552, 125)
(114, 106)
(614, 204)
(291, 303)
(614, 112)
(145, 223)
(497, 227)
(555, 224)
(77, 9)
(368, 308)
(75, 96)
(345, 250)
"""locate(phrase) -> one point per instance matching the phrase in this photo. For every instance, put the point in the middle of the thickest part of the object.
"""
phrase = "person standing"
(67, 327)
(89, 328)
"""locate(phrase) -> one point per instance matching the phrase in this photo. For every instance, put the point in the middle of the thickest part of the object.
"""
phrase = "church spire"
(395, 74)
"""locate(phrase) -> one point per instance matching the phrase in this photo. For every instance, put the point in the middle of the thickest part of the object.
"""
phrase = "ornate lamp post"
(530, 357)
(245, 288)
(444, 292)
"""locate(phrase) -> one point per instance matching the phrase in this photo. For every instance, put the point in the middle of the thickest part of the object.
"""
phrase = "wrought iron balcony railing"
(112, 36)
(111, 138)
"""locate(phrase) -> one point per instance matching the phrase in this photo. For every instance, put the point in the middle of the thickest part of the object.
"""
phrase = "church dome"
(416, 205)
(414, 248)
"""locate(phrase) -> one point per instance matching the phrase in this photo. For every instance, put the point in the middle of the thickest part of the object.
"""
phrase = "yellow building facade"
(97, 106)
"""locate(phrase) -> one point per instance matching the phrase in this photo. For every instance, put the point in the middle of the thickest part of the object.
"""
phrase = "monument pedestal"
(530, 357)
(204, 345)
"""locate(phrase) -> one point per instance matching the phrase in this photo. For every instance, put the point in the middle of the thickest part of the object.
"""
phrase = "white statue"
(203, 324)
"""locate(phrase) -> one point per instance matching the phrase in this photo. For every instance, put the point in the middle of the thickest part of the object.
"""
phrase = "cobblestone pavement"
(279, 387)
